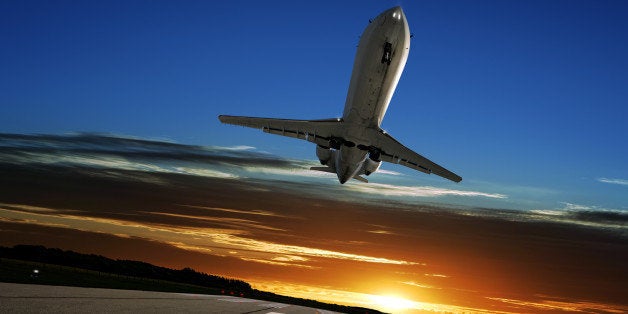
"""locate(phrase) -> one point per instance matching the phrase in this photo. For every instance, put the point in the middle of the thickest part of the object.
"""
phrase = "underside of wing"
(394, 152)
(320, 132)
(329, 131)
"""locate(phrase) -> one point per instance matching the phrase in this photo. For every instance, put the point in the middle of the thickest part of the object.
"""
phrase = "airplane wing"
(321, 132)
(316, 131)
(394, 152)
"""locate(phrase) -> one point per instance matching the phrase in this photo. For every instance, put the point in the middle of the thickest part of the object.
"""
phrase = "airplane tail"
(330, 170)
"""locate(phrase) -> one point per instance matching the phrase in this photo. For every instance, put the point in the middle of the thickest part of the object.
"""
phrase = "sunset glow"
(391, 303)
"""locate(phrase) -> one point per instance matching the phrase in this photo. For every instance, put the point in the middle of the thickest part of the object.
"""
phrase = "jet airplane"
(355, 145)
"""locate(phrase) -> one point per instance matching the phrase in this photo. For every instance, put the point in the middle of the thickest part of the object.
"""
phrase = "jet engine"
(324, 154)
(370, 166)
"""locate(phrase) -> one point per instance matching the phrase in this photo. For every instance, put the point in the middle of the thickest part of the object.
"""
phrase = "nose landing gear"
(387, 57)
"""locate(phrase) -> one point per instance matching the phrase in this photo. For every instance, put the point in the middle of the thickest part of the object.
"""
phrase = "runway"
(21, 298)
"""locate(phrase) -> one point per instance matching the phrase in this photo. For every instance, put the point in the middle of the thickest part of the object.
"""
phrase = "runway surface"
(21, 298)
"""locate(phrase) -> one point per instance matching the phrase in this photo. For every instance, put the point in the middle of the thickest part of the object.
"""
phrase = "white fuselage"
(379, 62)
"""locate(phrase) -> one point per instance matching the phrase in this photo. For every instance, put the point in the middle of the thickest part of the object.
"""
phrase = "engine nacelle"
(324, 154)
(370, 166)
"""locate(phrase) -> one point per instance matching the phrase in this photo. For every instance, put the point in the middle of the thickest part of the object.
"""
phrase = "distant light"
(36, 271)
(395, 14)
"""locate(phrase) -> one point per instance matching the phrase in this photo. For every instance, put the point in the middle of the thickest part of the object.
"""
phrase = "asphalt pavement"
(21, 298)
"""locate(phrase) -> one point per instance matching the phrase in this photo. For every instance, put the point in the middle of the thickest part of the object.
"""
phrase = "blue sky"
(524, 98)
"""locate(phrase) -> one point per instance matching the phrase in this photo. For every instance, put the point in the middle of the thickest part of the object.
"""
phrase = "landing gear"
(387, 57)
(375, 155)
(335, 143)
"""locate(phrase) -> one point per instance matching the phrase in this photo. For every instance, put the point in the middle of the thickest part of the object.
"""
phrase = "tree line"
(41, 254)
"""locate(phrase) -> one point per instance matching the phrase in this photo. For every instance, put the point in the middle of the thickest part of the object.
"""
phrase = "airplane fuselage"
(355, 145)
(379, 62)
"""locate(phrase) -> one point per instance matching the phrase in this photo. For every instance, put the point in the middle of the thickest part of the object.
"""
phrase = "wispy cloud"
(572, 206)
(613, 181)
(389, 172)
(237, 211)
(436, 275)
(570, 306)
(420, 285)
(235, 148)
(380, 232)
(416, 191)
(277, 248)
(288, 171)
(238, 223)
(278, 262)
(204, 172)
(216, 241)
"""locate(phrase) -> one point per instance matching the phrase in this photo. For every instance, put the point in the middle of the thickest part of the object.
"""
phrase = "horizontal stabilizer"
(323, 169)
(361, 179)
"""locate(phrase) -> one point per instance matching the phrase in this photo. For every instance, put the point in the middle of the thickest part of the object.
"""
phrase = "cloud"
(420, 285)
(289, 171)
(106, 151)
(613, 181)
(239, 223)
(436, 275)
(147, 161)
(567, 306)
(271, 247)
(235, 148)
(205, 172)
(231, 210)
(584, 215)
(216, 241)
(380, 232)
(416, 191)
(572, 206)
(278, 262)
(145, 157)
(389, 172)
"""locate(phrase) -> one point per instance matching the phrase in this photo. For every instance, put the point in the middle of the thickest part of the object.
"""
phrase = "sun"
(392, 303)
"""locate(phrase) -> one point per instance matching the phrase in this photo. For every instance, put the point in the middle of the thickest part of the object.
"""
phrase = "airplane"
(355, 145)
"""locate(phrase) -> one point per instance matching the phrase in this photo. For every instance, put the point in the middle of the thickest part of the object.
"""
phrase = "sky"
(522, 95)
(526, 100)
